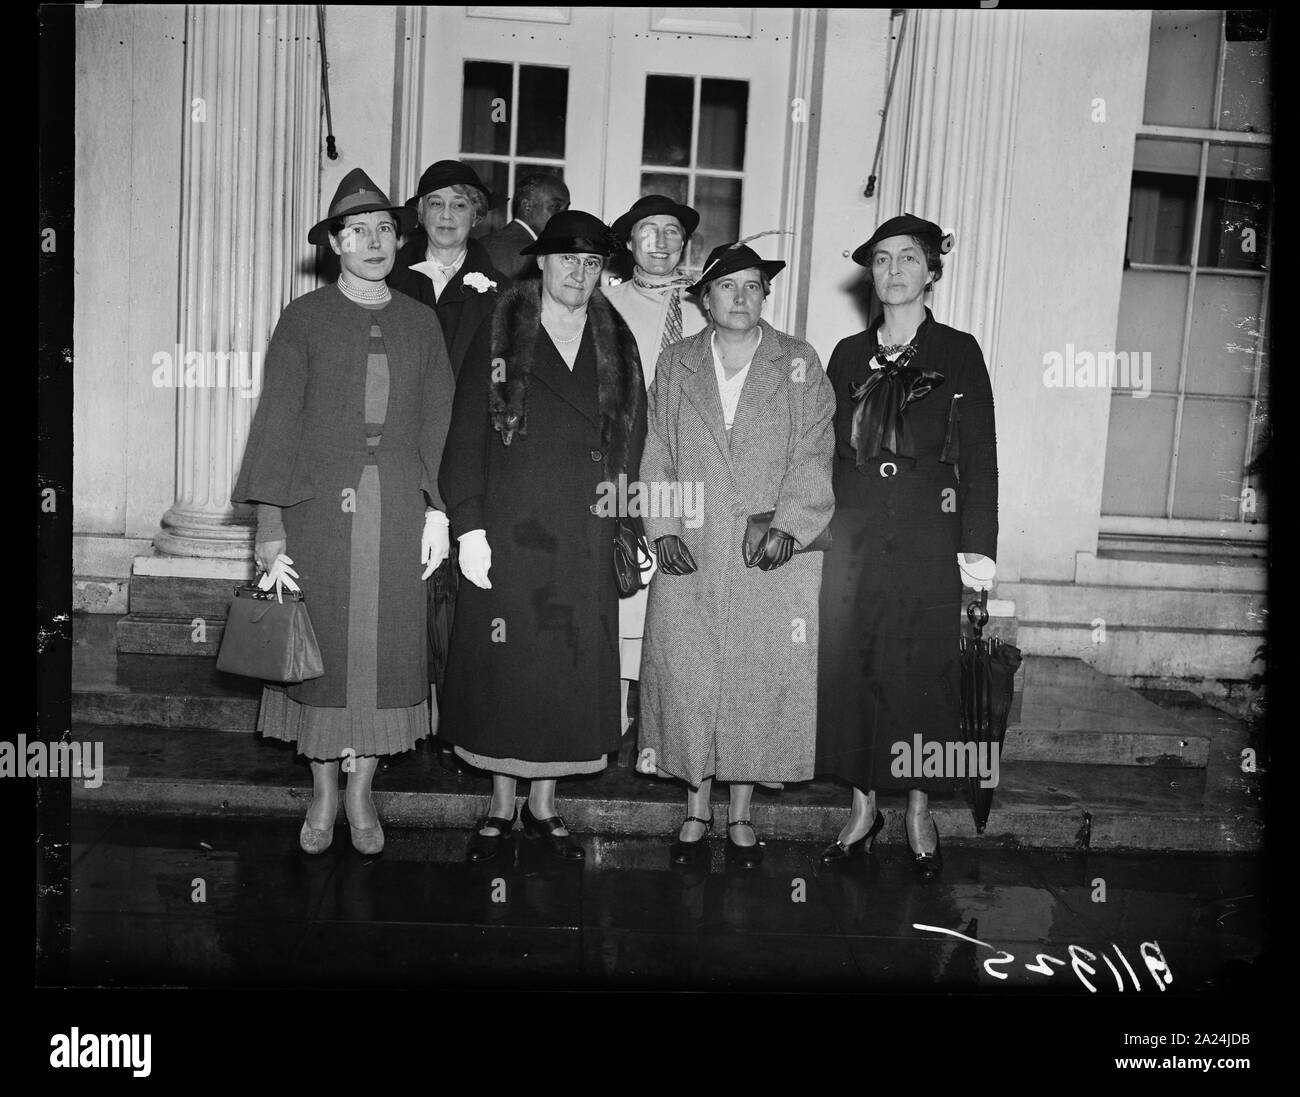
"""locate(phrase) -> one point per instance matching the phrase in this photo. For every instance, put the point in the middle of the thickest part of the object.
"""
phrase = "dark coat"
(891, 591)
(533, 670)
(461, 308)
(503, 247)
(729, 663)
(307, 447)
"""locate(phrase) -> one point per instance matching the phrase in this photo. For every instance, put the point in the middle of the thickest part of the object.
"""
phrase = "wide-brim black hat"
(650, 205)
(572, 230)
(905, 224)
(357, 193)
(447, 173)
(729, 258)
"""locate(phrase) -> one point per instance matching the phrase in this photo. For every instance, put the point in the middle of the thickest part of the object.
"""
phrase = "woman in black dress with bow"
(912, 492)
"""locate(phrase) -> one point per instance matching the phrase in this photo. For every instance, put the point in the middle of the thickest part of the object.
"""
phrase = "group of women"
(801, 617)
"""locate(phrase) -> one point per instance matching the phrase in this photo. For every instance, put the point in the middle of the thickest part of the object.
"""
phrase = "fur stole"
(516, 321)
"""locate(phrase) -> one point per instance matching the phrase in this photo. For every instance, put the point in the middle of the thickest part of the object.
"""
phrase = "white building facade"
(1107, 175)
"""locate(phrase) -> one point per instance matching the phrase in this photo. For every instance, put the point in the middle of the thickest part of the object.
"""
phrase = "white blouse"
(729, 389)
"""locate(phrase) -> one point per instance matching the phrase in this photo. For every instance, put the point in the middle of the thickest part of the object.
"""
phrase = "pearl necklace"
(362, 291)
(557, 339)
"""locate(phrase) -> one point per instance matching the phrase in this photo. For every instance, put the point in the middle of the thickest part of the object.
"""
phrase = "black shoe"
(837, 851)
(748, 856)
(561, 845)
(927, 864)
(485, 847)
(683, 853)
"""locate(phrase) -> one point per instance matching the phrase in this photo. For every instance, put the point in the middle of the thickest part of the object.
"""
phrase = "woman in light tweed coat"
(740, 419)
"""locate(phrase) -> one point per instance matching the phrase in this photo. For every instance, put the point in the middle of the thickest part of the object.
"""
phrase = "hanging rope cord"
(330, 150)
(870, 192)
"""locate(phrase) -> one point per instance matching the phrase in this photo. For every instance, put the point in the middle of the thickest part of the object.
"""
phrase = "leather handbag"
(269, 639)
(751, 548)
(629, 549)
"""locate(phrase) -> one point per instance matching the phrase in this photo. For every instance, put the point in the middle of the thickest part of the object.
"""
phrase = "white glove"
(475, 557)
(435, 541)
(281, 575)
(977, 572)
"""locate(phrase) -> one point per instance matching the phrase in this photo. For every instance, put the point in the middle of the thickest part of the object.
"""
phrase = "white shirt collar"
(527, 227)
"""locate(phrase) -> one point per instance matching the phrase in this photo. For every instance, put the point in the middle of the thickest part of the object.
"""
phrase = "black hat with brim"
(447, 173)
(576, 232)
(651, 205)
(729, 258)
(358, 194)
(905, 224)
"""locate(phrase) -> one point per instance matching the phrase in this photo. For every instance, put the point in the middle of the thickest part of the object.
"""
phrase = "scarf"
(672, 283)
(878, 419)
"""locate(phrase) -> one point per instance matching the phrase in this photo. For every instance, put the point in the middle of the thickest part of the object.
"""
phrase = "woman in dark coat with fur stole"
(550, 410)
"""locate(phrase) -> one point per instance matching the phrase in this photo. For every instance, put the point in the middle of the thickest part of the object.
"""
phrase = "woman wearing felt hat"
(657, 308)
(342, 461)
(550, 407)
(441, 266)
(917, 516)
(741, 412)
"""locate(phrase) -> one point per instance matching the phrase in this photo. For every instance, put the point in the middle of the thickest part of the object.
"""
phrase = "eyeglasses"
(591, 264)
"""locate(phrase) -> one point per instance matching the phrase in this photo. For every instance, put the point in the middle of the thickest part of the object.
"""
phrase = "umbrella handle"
(982, 609)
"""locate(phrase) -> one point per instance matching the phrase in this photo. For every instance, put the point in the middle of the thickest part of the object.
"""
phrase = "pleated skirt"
(324, 734)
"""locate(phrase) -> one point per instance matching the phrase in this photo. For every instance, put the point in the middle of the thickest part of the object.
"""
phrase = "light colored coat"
(645, 311)
(729, 666)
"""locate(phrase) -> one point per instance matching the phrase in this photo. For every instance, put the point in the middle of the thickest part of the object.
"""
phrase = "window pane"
(1160, 218)
(1225, 333)
(1234, 225)
(723, 108)
(1182, 68)
(496, 177)
(666, 139)
(1210, 453)
(486, 81)
(1151, 307)
(1138, 449)
(1246, 105)
(543, 102)
(671, 186)
(718, 201)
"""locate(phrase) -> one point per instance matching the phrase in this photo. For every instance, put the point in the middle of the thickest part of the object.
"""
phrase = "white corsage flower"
(479, 281)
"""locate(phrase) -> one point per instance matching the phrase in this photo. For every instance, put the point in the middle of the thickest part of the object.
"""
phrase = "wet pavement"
(225, 902)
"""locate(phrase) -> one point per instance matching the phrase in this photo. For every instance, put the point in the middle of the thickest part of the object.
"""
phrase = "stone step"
(1081, 605)
(1162, 572)
(1147, 653)
(192, 772)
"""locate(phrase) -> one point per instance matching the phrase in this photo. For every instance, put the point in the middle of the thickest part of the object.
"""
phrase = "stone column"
(250, 190)
(949, 144)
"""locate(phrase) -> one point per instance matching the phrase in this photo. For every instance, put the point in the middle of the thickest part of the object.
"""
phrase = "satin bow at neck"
(879, 420)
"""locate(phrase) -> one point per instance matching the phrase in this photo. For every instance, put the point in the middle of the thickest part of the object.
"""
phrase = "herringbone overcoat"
(729, 665)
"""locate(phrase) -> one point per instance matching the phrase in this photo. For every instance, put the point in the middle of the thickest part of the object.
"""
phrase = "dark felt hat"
(648, 206)
(447, 173)
(729, 258)
(905, 224)
(572, 230)
(358, 194)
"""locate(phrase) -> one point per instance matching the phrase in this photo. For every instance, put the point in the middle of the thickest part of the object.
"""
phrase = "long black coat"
(461, 309)
(891, 591)
(307, 448)
(533, 671)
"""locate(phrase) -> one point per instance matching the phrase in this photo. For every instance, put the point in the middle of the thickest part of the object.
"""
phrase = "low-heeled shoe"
(485, 847)
(683, 853)
(561, 845)
(747, 856)
(837, 851)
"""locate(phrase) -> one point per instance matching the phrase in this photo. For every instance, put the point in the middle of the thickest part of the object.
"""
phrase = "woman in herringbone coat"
(739, 423)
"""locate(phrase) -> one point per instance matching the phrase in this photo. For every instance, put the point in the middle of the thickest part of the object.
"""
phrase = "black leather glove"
(778, 547)
(673, 556)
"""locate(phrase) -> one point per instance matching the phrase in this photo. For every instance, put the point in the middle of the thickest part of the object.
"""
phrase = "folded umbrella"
(988, 673)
